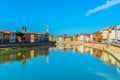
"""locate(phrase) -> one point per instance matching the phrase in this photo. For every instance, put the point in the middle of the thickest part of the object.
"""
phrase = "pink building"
(27, 37)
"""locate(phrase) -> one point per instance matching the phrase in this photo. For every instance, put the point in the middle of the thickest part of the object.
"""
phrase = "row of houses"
(110, 34)
(7, 36)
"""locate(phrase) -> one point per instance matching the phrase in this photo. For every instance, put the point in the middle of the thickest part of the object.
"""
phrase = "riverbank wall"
(101, 46)
(26, 44)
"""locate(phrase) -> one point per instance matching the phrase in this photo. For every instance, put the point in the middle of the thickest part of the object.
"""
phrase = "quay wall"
(25, 45)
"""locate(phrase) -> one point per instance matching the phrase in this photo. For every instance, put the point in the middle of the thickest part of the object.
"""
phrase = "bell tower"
(24, 29)
(47, 29)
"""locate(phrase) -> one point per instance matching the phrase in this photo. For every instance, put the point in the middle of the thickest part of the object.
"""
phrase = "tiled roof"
(42, 33)
(6, 31)
(109, 27)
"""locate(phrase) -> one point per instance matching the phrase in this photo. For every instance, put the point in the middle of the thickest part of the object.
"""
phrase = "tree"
(20, 35)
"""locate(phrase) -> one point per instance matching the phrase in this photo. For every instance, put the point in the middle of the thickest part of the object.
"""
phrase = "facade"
(60, 38)
(50, 38)
(113, 35)
(7, 36)
(86, 37)
(40, 38)
(34, 37)
(82, 38)
(1, 37)
(91, 38)
(105, 34)
(110, 34)
(55, 38)
(67, 38)
(12, 37)
(98, 36)
(118, 34)
(78, 37)
(74, 38)
(27, 37)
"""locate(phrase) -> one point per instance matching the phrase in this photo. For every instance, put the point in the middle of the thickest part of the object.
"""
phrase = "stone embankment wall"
(24, 44)
(103, 46)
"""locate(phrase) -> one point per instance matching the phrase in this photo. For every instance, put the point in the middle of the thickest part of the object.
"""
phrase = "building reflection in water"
(106, 57)
(24, 55)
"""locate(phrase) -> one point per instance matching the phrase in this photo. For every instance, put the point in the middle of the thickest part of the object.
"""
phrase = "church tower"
(23, 29)
(47, 29)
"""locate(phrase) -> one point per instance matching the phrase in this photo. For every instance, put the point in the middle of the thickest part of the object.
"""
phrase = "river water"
(59, 63)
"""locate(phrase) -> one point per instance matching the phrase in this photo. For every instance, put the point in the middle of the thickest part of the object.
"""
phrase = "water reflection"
(24, 55)
(106, 57)
(44, 52)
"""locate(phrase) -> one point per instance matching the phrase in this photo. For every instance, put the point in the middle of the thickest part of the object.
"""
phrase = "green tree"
(21, 35)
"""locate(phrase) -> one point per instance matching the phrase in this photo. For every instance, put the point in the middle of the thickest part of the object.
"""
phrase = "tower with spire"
(47, 29)
(47, 34)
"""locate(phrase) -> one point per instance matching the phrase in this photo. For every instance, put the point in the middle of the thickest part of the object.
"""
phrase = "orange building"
(98, 36)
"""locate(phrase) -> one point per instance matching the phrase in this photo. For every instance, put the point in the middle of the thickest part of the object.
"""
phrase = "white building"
(7, 36)
(82, 38)
(87, 37)
(118, 34)
(12, 37)
(91, 37)
(60, 38)
(113, 35)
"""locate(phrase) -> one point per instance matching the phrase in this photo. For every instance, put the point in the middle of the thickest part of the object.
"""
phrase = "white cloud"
(105, 76)
(108, 4)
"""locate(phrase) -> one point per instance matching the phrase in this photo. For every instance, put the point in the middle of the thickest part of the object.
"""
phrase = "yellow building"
(50, 38)
(55, 38)
(67, 38)
(105, 34)
(78, 37)
(74, 37)
(32, 38)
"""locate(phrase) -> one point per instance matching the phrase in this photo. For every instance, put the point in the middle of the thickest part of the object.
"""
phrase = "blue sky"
(62, 16)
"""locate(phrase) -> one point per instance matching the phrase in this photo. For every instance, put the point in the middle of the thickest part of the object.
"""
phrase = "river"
(59, 63)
